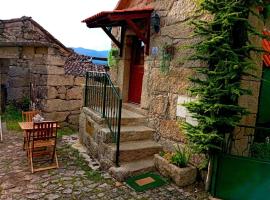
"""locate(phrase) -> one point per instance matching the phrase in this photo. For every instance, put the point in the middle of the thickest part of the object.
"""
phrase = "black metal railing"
(102, 96)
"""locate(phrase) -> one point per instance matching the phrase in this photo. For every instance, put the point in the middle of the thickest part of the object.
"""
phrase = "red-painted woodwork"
(266, 47)
(123, 18)
(136, 72)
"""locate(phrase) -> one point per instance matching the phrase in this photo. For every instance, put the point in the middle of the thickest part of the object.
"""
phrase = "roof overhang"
(124, 18)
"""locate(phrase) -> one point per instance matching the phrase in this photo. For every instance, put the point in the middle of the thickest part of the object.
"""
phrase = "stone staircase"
(137, 147)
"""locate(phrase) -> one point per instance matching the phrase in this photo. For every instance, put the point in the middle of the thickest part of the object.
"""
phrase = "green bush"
(12, 116)
(24, 104)
(260, 150)
(181, 156)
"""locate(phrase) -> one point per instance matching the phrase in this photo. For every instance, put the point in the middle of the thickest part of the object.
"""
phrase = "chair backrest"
(45, 130)
(27, 116)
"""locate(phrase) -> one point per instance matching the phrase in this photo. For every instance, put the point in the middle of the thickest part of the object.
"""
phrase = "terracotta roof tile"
(78, 65)
(116, 12)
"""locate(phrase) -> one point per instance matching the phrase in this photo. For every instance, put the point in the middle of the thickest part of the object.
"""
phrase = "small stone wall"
(94, 139)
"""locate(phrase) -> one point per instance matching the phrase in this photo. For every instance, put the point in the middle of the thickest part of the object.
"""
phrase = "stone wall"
(28, 53)
(242, 143)
(15, 73)
(162, 93)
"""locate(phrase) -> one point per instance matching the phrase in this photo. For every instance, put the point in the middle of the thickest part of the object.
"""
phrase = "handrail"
(102, 96)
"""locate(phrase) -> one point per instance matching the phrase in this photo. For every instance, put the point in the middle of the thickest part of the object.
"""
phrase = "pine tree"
(225, 48)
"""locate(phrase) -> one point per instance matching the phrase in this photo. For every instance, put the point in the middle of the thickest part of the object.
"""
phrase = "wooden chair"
(42, 143)
(27, 116)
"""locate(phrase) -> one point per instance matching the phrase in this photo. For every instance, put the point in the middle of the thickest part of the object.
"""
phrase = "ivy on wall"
(113, 57)
(167, 52)
(225, 48)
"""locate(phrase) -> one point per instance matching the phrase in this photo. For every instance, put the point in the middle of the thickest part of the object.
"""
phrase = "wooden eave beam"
(136, 29)
(118, 44)
(144, 36)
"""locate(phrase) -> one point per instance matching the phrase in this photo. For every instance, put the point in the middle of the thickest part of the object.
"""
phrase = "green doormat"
(145, 181)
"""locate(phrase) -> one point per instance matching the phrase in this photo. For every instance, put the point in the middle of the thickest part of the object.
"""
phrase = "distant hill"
(93, 53)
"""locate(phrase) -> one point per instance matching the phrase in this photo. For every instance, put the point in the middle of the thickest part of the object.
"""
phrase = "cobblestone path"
(73, 180)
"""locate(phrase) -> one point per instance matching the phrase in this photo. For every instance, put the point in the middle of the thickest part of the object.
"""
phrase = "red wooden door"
(136, 72)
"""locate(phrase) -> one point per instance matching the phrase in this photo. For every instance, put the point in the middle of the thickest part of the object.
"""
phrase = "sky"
(62, 18)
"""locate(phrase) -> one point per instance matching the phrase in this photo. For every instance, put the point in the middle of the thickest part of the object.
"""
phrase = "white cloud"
(62, 18)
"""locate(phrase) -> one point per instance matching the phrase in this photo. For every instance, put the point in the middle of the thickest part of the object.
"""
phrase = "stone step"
(136, 150)
(132, 118)
(129, 169)
(134, 108)
(131, 133)
(127, 117)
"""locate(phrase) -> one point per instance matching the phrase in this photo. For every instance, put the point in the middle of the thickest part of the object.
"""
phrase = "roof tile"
(78, 65)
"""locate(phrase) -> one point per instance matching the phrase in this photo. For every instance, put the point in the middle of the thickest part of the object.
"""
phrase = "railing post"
(104, 95)
(86, 89)
(118, 134)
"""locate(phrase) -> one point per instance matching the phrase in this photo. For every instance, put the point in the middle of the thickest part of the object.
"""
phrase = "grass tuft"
(12, 116)
(65, 131)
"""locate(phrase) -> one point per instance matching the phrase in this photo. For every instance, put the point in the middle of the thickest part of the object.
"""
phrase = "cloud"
(62, 18)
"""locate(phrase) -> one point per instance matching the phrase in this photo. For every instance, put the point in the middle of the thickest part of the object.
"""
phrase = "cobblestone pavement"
(73, 180)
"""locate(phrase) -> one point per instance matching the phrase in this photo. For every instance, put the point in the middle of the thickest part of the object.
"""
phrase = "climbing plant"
(167, 51)
(113, 57)
(225, 50)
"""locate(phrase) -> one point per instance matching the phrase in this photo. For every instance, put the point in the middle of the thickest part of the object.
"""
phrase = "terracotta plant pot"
(181, 176)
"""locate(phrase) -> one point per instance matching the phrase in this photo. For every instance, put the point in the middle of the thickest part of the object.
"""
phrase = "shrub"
(260, 150)
(12, 116)
(181, 156)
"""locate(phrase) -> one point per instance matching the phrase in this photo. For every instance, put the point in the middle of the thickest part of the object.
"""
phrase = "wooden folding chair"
(27, 116)
(42, 143)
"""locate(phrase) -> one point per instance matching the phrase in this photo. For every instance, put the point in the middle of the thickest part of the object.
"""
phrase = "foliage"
(113, 58)
(225, 48)
(162, 153)
(24, 104)
(65, 131)
(260, 150)
(166, 57)
(181, 156)
(12, 116)
(168, 156)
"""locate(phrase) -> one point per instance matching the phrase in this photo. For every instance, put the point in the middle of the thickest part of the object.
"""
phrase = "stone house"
(148, 92)
(30, 54)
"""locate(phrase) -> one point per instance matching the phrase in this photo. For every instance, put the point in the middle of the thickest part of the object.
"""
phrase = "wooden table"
(28, 126)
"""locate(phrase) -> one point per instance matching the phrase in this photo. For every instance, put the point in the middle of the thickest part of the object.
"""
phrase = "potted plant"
(176, 166)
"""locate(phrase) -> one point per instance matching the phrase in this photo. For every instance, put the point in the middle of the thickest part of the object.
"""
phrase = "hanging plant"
(167, 52)
(113, 58)
(225, 48)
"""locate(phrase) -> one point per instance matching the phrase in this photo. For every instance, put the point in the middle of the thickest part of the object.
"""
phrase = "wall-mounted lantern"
(155, 22)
